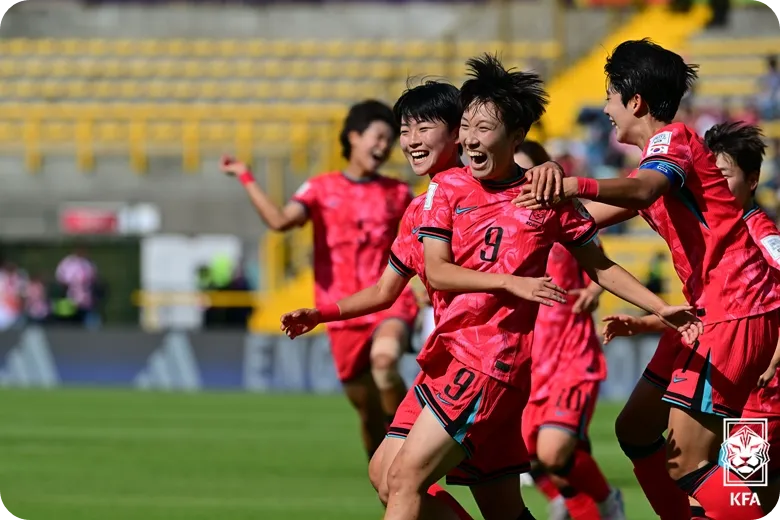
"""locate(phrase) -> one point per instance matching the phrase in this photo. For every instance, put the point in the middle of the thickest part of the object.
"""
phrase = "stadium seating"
(196, 96)
(730, 68)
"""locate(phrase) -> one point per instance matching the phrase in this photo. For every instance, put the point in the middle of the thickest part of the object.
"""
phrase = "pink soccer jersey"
(565, 344)
(406, 257)
(493, 332)
(723, 273)
(355, 223)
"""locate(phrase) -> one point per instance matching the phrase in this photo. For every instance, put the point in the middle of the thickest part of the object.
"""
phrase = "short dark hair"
(742, 142)
(360, 117)
(534, 151)
(434, 101)
(659, 75)
(519, 97)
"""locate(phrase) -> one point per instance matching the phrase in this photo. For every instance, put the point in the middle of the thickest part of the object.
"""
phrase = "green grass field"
(98, 454)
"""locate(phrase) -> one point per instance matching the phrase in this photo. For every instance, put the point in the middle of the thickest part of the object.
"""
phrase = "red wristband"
(329, 312)
(246, 177)
(587, 188)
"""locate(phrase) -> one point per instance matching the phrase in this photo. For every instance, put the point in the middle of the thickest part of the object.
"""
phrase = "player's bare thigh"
(694, 439)
(426, 456)
(645, 416)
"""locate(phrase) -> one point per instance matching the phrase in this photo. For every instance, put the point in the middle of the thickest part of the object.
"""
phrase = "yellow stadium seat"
(273, 68)
(317, 90)
(57, 132)
(209, 90)
(390, 49)
(308, 48)
(729, 87)
(335, 49)
(732, 67)
(414, 50)
(255, 48)
(97, 48)
(35, 67)
(228, 48)
(326, 68)
(281, 48)
(76, 90)
(363, 48)
(734, 46)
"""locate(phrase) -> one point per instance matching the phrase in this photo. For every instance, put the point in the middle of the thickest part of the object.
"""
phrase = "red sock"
(582, 507)
(668, 501)
(586, 477)
(440, 494)
(547, 487)
(715, 498)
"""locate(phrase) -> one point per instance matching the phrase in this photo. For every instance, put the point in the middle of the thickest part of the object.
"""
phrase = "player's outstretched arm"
(279, 219)
(770, 372)
(634, 193)
(619, 282)
(443, 275)
(375, 298)
(627, 325)
(607, 215)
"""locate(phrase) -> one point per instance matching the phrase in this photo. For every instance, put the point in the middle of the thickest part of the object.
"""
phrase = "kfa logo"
(744, 455)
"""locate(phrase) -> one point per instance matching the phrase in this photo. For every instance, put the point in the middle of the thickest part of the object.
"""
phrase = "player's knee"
(384, 363)
(402, 480)
(555, 459)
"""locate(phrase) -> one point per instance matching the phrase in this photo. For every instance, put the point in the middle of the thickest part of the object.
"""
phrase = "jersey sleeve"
(765, 233)
(307, 195)
(401, 251)
(576, 227)
(669, 153)
(436, 214)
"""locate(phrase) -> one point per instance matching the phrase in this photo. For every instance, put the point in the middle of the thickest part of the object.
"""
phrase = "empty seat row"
(315, 90)
(275, 48)
(228, 69)
(707, 47)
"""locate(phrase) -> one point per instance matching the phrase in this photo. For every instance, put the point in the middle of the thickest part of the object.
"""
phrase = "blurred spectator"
(36, 300)
(655, 278)
(12, 285)
(769, 96)
(79, 277)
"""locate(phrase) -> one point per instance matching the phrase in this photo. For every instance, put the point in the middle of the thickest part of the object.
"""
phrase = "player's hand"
(767, 376)
(297, 323)
(231, 167)
(529, 198)
(587, 300)
(621, 325)
(539, 290)
(682, 319)
(546, 180)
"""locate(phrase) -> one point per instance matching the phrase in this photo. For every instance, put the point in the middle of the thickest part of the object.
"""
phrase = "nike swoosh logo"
(415, 230)
(560, 413)
(460, 211)
(440, 398)
(676, 379)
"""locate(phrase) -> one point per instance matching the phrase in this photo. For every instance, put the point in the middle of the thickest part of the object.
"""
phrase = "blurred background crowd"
(114, 114)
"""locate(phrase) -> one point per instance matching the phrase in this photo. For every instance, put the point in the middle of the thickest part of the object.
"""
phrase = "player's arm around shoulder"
(293, 214)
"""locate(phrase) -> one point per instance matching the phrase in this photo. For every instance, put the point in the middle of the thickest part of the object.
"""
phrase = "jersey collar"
(517, 179)
(364, 180)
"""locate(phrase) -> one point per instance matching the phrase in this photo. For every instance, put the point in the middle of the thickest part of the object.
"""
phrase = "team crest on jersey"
(662, 138)
(772, 245)
(658, 150)
(429, 196)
